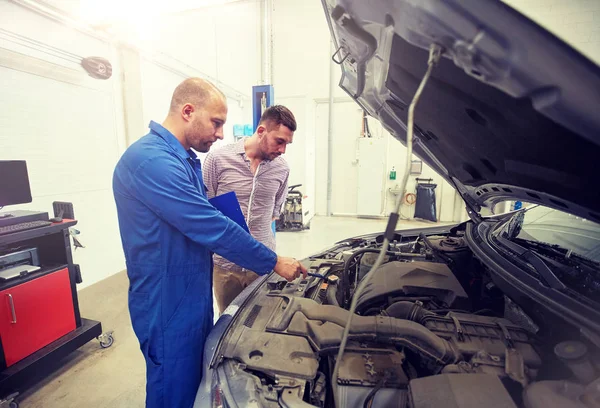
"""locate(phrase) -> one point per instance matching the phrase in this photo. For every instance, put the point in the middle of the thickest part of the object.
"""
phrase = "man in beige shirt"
(254, 169)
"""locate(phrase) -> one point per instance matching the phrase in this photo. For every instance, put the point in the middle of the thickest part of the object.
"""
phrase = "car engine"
(431, 329)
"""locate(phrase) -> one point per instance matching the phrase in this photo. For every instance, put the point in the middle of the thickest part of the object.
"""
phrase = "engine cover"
(413, 279)
(459, 391)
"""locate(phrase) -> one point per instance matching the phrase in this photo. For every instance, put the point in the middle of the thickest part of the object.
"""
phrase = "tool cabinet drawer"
(34, 314)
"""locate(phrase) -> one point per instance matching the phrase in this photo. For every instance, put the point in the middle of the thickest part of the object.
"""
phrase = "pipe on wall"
(330, 132)
(266, 8)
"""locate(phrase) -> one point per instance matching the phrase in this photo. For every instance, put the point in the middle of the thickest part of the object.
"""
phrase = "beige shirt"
(261, 195)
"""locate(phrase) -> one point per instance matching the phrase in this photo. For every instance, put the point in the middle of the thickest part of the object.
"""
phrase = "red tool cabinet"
(34, 314)
(40, 322)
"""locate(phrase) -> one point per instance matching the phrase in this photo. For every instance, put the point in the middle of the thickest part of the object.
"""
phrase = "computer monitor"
(14, 183)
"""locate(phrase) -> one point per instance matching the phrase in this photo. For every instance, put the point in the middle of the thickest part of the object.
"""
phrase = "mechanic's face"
(206, 124)
(272, 143)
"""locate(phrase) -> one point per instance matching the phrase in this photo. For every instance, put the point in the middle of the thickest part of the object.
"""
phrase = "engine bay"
(431, 329)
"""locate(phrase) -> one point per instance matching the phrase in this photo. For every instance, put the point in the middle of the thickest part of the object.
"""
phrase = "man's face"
(272, 143)
(206, 125)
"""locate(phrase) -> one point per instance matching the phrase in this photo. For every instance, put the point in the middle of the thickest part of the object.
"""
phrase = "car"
(502, 310)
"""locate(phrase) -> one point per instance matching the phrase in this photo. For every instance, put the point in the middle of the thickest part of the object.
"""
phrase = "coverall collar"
(172, 141)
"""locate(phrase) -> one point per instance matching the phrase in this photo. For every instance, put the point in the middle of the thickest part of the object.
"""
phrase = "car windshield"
(548, 226)
(567, 246)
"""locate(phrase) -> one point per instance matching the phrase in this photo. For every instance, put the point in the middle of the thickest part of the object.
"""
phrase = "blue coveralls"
(169, 231)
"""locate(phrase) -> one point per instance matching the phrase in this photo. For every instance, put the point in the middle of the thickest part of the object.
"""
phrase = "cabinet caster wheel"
(106, 339)
(9, 401)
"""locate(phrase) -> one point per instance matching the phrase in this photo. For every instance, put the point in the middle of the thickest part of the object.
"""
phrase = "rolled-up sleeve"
(164, 186)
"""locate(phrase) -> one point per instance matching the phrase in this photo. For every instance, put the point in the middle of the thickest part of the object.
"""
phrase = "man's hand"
(289, 268)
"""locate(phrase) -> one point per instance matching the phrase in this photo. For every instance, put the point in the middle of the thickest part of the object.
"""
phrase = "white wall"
(575, 21)
(68, 128)
(72, 129)
(301, 50)
(300, 155)
(301, 72)
(221, 42)
(347, 119)
(347, 130)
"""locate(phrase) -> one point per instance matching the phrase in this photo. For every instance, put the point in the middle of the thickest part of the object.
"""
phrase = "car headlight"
(217, 398)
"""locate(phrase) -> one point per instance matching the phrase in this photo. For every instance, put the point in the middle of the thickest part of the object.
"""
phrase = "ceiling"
(116, 11)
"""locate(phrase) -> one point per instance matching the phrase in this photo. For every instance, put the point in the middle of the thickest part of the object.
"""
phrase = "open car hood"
(510, 111)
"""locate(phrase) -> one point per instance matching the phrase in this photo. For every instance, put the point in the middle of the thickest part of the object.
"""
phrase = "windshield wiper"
(563, 253)
(543, 270)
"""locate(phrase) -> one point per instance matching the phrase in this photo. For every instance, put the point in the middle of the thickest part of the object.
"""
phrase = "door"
(371, 159)
(34, 314)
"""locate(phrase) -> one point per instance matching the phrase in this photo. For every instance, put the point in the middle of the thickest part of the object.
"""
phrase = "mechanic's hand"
(289, 268)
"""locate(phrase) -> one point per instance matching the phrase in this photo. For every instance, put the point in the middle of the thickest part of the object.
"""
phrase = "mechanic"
(169, 231)
(254, 169)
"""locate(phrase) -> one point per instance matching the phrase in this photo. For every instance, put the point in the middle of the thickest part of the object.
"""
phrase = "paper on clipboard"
(229, 205)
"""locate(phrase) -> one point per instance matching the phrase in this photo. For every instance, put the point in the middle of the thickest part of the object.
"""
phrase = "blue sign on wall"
(238, 130)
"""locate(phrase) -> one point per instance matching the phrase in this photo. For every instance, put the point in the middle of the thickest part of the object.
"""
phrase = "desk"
(40, 322)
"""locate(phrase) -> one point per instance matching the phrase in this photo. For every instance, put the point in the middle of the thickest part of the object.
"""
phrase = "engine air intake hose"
(324, 324)
(408, 311)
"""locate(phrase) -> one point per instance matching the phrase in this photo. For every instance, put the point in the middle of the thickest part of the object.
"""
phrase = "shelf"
(36, 232)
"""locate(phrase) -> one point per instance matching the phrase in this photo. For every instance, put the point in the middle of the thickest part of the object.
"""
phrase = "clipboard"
(229, 205)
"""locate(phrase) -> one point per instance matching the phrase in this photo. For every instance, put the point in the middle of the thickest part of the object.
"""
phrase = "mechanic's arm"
(280, 197)
(164, 186)
(210, 176)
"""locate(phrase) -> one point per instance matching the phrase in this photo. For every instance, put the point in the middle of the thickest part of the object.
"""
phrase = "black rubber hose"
(426, 241)
(408, 311)
(345, 281)
(371, 396)
(435, 250)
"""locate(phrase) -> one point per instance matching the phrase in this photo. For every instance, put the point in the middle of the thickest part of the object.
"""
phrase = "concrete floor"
(115, 377)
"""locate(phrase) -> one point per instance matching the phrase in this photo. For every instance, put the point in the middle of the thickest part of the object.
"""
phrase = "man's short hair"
(278, 115)
(197, 91)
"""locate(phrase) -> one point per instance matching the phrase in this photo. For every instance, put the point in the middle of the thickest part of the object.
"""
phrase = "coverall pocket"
(138, 310)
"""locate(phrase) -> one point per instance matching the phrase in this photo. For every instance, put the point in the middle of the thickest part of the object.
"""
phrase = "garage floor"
(114, 377)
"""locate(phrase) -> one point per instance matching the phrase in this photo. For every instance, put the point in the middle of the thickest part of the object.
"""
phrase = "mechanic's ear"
(187, 110)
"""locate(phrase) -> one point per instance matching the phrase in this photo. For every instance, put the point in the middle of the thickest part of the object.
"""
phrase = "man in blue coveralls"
(169, 231)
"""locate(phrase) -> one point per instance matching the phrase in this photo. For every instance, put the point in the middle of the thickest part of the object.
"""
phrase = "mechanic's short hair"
(278, 115)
